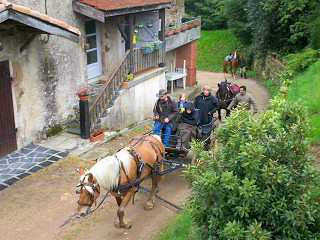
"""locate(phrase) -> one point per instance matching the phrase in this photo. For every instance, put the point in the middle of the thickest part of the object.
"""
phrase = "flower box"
(176, 30)
(147, 50)
(168, 32)
(157, 45)
(184, 27)
(97, 135)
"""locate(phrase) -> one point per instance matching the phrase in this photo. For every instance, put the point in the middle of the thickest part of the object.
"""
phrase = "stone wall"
(45, 74)
(175, 13)
(269, 68)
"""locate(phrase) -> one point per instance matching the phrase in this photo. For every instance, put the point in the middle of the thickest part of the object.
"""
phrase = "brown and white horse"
(233, 65)
(120, 173)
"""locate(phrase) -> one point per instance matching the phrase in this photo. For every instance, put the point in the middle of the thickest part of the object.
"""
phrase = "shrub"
(258, 184)
(299, 62)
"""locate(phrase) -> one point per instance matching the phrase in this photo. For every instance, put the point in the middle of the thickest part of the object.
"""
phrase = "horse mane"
(106, 170)
(157, 137)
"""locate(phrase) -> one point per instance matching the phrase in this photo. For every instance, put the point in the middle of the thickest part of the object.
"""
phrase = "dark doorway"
(8, 142)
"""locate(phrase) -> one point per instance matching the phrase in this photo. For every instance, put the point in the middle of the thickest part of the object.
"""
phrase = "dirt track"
(37, 205)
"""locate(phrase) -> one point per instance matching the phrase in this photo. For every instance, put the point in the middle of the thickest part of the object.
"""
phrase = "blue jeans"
(166, 129)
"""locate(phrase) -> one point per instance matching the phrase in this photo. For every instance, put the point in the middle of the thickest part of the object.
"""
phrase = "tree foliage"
(258, 185)
(285, 26)
(209, 10)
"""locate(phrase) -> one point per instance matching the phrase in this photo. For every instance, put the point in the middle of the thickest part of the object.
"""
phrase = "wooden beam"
(43, 26)
(162, 37)
(27, 43)
(111, 13)
(123, 34)
(130, 33)
(88, 11)
(4, 16)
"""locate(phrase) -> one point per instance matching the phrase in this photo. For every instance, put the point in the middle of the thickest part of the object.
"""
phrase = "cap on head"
(161, 93)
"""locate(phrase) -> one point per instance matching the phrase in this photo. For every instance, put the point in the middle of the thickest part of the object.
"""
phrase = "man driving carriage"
(165, 112)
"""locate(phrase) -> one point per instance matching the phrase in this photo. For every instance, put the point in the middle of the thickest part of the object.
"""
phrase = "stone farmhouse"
(115, 52)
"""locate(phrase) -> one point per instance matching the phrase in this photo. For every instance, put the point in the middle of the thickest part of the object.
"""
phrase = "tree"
(209, 10)
(258, 185)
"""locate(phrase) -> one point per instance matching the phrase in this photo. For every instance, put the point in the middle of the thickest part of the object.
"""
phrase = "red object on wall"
(188, 52)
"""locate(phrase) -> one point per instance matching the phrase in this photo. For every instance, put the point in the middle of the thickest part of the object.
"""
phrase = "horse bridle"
(91, 188)
(227, 97)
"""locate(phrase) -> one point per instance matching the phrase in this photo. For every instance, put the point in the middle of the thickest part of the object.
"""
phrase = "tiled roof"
(121, 4)
(4, 5)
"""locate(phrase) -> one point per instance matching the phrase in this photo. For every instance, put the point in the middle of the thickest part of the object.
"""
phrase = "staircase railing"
(107, 93)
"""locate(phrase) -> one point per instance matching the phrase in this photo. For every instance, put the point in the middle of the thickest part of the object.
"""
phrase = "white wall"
(135, 103)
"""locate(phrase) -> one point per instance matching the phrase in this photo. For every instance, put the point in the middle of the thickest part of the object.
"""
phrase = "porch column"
(188, 52)
(162, 15)
(84, 117)
(129, 44)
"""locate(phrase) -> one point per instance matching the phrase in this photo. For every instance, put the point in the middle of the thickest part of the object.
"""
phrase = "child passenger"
(182, 102)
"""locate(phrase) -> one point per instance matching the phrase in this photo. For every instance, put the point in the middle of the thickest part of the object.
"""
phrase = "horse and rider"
(232, 61)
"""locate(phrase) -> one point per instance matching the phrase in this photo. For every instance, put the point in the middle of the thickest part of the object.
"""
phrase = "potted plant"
(177, 29)
(83, 92)
(157, 45)
(96, 135)
(148, 48)
(168, 32)
(184, 27)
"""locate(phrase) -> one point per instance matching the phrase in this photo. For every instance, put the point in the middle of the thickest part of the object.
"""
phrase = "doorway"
(8, 141)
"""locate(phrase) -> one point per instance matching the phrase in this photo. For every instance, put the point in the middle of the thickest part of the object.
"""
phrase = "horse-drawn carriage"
(144, 157)
(203, 133)
(122, 173)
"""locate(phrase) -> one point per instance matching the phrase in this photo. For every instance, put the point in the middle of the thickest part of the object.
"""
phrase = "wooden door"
(8, 142)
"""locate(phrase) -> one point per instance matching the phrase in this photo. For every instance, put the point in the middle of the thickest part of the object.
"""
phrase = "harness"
(140, 165)
(91, 188)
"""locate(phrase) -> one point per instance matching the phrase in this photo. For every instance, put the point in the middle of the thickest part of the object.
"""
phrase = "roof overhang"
(13, 16)
(100, 14)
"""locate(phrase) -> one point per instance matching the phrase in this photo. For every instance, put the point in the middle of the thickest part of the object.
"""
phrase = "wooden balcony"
(143, 61)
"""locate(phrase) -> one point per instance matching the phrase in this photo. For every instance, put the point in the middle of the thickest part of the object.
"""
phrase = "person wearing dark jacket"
(165, 112)
(242, 66)
(207, 105)
(187, 128)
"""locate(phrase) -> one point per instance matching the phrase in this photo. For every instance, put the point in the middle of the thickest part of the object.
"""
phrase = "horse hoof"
(148, 206)
(123, 225)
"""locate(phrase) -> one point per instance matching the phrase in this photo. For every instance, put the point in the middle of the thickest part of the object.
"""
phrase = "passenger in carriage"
(165, 112)
(187, 128)
(182, 102)
(207, 105)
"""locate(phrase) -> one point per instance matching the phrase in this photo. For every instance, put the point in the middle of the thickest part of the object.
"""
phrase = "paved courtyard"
(25, 161)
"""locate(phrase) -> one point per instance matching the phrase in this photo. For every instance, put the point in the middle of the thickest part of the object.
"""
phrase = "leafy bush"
(301, 61)
(257, 186)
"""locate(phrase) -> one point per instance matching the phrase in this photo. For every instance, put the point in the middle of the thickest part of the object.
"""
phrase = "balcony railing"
(143, 61)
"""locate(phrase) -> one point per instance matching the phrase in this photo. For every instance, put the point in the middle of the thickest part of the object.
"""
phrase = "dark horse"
(233, 65)
(225, 94)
